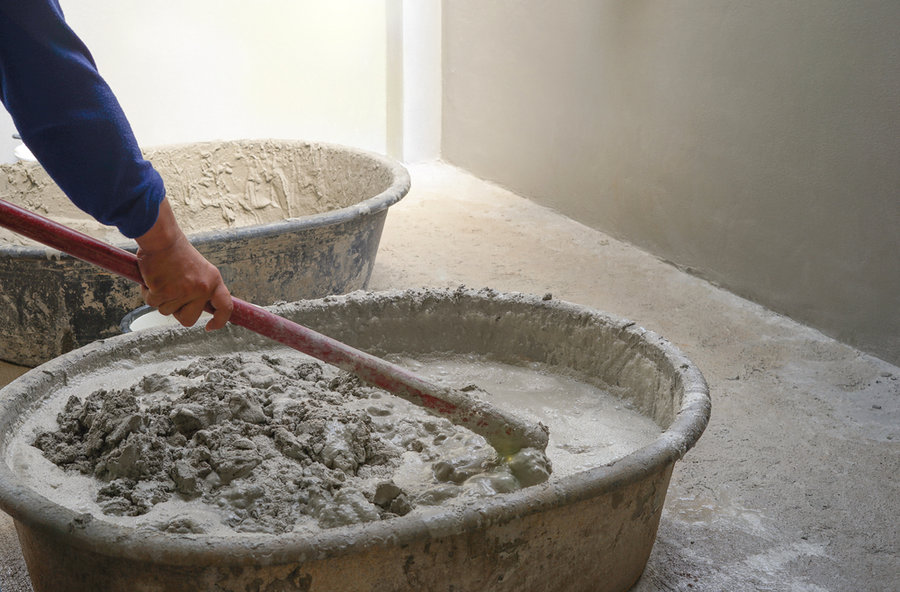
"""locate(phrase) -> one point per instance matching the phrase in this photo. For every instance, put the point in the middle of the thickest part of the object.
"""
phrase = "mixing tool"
(507, 433)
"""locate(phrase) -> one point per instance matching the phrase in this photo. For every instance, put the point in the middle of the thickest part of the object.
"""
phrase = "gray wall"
(755, 143)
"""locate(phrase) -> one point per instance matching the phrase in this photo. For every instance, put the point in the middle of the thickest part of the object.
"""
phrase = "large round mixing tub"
(283, 221)
(591, 530)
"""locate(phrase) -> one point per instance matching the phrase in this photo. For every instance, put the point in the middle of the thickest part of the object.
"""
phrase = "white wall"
(756, 142)
(7, 144)
(421, 80)
(365, 73)
(414, 79)
(220, 69)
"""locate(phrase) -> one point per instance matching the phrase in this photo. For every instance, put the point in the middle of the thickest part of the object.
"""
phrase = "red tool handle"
(505, 432)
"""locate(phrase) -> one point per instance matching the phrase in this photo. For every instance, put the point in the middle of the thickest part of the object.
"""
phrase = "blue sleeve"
(71, 121)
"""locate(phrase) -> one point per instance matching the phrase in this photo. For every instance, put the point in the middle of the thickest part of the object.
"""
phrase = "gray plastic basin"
(591, 530)
(283, 220)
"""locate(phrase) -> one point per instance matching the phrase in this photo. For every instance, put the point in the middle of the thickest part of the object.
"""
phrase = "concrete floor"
(793, 487)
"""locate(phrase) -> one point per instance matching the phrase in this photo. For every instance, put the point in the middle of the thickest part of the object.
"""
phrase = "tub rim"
(399, 186)
(37, 512)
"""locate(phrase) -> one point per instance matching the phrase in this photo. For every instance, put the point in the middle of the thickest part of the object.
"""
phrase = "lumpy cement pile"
(261, 443)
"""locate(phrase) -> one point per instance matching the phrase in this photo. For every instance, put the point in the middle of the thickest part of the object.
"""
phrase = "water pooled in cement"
(276, 442)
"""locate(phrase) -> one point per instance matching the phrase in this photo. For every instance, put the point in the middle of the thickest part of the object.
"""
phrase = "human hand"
(178, 280)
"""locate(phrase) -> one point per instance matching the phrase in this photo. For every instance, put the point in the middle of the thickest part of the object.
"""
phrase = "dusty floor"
(792, 488)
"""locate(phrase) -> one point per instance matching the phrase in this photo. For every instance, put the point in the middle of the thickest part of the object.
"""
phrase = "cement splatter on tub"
(268, 444)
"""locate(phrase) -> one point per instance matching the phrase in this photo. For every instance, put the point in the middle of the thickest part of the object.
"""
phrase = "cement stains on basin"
(275, 442)
(283, 220)
(606, 516)
(218, 185)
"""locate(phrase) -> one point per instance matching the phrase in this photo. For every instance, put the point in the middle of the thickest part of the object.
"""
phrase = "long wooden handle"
(504, 431)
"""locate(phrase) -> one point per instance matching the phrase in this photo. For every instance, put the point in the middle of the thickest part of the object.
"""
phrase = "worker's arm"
(70, 120)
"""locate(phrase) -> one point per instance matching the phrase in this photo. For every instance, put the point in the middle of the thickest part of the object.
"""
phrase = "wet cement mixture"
(269, 445)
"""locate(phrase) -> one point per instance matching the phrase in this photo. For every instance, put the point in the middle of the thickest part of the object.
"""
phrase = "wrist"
(164, 233)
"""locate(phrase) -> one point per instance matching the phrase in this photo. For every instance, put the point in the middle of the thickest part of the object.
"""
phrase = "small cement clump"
(269, 445)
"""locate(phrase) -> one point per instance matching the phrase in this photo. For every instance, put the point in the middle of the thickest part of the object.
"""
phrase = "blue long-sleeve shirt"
(71, 121)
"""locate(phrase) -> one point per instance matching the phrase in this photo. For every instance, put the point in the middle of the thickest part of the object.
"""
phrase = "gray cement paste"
(276, 442)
